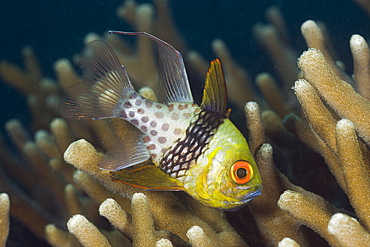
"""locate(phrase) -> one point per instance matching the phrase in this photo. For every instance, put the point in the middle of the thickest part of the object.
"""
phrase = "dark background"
(56, 30)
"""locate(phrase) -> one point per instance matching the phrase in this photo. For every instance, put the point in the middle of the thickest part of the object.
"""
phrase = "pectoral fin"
(129, 151)
(147, 177)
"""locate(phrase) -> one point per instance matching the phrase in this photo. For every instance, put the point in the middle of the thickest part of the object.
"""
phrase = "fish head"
(226, 177)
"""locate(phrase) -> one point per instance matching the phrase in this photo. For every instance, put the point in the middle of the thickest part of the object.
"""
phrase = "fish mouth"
(253, 192)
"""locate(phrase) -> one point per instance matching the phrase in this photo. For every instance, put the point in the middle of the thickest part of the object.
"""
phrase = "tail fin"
(105, 88)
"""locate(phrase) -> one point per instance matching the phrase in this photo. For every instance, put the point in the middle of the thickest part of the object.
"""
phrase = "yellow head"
(226, 175)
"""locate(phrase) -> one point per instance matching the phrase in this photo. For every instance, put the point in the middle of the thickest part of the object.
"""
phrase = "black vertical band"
(185, 152)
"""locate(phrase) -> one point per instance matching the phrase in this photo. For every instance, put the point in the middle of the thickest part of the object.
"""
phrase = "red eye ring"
(241, 172)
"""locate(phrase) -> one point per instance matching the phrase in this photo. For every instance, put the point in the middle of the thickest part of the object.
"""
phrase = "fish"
(176, 145)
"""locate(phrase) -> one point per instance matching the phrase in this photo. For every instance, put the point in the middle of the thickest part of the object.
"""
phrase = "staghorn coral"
(365, 4)
(346, 156)
(168, 212)
(297, 143)
(4, 218)
(348, 231)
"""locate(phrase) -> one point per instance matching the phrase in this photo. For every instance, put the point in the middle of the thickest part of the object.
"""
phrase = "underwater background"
(56, 30)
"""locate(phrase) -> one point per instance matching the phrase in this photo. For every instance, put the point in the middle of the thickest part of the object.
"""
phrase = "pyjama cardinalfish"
(192, 148)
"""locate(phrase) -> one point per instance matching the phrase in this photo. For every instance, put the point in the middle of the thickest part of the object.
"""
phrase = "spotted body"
(177, 145)
(163, 126)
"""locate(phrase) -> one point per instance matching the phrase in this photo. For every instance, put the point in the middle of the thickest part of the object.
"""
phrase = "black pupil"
(241, 173)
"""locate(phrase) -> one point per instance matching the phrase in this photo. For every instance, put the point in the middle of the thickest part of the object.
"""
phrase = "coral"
(4, 218)
(348, 231)
(274, 223)
(365, 4)
(309, 212)
(361, 62)
(86, 233)
(322, 78)
(287, 242)
(346, 156)
(315, 136)
(168, 212)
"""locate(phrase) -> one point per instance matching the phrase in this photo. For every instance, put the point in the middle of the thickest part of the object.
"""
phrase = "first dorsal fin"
(215, 92)
(173, 80)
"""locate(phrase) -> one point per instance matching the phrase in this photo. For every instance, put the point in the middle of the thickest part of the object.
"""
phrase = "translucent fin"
(129, 151)
(215, 91)
(105, 87)
(173, 80)
(147, 177)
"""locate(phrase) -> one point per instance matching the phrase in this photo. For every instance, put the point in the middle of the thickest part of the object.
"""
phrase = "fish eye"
(241, 172)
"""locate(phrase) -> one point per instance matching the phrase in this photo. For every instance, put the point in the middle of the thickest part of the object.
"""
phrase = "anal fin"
(147, 176)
